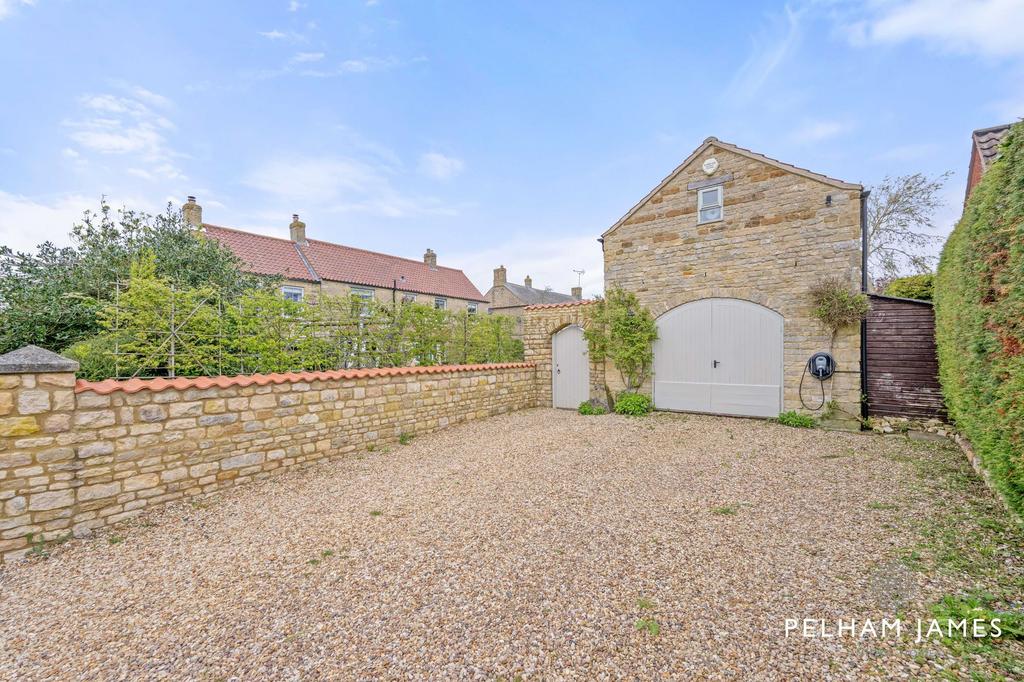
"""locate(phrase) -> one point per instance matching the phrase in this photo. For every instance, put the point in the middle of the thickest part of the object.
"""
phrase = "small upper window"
(709, 204)
(440, 303)
(408, 298)
(471, 308)
(292, 293)
(365, 294)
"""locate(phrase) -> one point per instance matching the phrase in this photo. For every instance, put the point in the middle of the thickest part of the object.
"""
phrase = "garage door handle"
(714, 363)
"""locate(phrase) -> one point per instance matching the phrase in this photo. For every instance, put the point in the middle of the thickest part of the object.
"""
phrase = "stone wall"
(312, 291)
(76, 456)
(782, 230)
(540, 322)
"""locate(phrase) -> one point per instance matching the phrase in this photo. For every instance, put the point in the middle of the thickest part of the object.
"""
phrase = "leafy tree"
(492, 339)
(159, 328)
(51, 297)
(620, 329)
(914, 286)
(899, 223)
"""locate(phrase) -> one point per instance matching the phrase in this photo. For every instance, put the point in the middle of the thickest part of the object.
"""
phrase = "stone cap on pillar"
(33, 359)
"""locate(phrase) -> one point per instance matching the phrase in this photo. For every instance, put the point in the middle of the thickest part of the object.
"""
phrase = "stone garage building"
(724, 252)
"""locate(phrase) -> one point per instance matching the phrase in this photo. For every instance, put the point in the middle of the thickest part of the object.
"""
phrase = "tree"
(620, 329)
(51, 297)
(915, 286)
(899, 215)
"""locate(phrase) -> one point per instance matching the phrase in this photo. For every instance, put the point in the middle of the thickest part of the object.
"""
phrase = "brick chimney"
(499, 276)
(577, 293)
(528, 282)
(193, 213)
(297, 229)
(430, 258)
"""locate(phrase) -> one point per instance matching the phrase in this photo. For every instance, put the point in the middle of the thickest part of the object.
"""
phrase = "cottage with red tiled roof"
(311, 268)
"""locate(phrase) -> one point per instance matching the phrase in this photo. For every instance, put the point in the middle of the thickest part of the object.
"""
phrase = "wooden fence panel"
(902, 366)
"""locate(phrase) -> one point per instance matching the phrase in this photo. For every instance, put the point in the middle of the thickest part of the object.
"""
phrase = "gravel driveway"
(530, 544)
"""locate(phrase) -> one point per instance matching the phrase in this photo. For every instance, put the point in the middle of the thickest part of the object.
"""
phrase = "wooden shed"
(902, 377)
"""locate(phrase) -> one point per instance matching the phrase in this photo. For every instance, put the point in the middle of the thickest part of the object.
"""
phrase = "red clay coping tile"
(564, 304)
(156, 385)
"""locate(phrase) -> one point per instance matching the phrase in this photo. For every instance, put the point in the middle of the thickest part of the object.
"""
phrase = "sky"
(494, 133)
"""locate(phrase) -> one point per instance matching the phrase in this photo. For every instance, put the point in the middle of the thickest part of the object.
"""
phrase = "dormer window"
(709, 204)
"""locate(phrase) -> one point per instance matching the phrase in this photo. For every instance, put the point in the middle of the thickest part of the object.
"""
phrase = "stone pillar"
(37, 494)
(500, 276)
(577, 293)
(430, 258)
(528, 282)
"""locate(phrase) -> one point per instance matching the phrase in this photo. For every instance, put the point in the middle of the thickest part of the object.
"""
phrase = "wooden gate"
(902, 366)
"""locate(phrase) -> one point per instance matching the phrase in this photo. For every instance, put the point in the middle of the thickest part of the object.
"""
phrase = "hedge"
(979, 317)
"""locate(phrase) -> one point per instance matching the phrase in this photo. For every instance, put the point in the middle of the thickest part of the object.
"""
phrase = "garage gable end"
(718, 144)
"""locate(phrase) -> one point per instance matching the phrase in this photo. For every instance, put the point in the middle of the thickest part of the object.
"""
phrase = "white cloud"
(295, 5)
(982, 27)
(340, 184)
(439, 166)
(7, 7)
(818, 131)
(290, 36)
(771, 47)
(128, 125)
(27, 222)
(549, 262)
(307, 57)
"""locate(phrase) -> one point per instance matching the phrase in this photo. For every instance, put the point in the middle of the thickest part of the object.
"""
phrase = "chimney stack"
(193, 213)
(499, 276)
(577, 293)
(528, 282)
(430, 258)
(297, 229)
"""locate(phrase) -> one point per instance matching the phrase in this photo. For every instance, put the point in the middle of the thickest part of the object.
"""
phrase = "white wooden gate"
(719, 355)
(570, 368)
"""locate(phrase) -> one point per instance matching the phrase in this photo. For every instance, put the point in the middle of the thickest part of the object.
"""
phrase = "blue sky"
(511, 132)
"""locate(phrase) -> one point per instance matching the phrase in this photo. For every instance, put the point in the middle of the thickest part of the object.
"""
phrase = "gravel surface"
(528, 544)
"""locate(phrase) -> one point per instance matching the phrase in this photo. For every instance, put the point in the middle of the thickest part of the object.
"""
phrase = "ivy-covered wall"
(979, 316)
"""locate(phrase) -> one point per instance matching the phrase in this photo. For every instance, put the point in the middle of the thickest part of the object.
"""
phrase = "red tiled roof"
(318, 260)
(261, 254)
(156, 385)
(566, 304)
(358, 266)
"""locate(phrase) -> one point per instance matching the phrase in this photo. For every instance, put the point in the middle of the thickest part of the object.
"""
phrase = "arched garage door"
(719, 355)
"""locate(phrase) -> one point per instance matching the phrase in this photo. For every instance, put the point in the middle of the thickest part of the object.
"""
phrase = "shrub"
(796, 420)
(915, 286)
(591, 407)
(622, 330)
(836, 306)
(979, 320)
(633, 404)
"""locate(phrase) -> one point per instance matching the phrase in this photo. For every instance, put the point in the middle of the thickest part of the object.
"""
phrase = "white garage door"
(719, 355)
(570, 370)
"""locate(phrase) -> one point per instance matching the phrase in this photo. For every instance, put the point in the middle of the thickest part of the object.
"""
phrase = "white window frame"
(719, 204)
(286, 290)
(363, 293)
(440, 303)
(408, 298)
(471, 308)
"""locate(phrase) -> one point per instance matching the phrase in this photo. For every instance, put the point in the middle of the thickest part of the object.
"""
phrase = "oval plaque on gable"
(710, 166)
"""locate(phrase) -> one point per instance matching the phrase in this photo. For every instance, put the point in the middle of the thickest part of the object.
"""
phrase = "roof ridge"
(254, 234)
(991, 129)
(386, 255)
